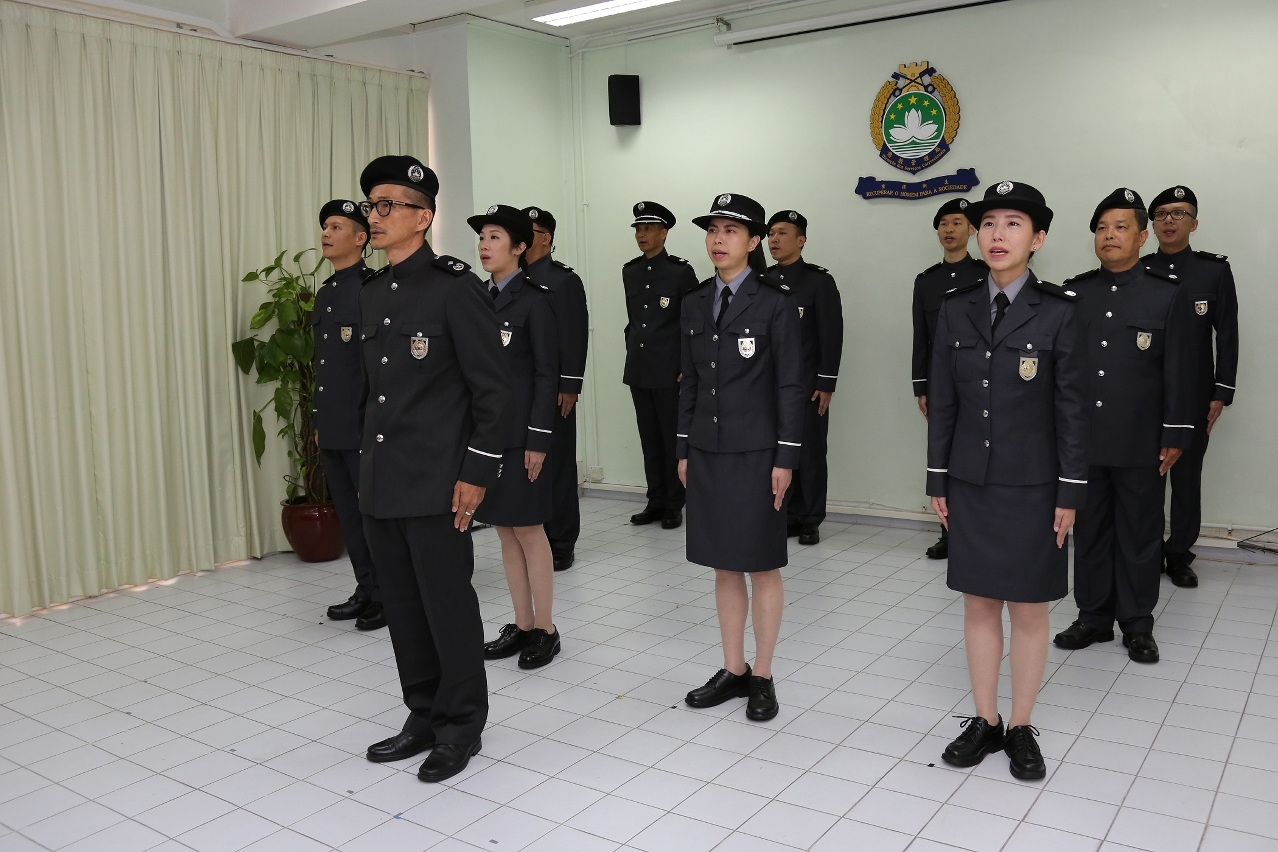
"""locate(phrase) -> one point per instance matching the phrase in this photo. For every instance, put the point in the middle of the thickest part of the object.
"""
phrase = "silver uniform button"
(985, 414)
(326, 336)
(1104, 343)
(985, 383)
(329, 309)
(1029, 345)
(383, 359)
(381, 399)
(379, 439)
(1113, 288)
(1098, 403)
(715, 419)
(987, 353)
(321, 388)
(1109, 313)
(715, 338)
(321, 362)
(987, 443)
(711, 365)
(1100, 372)
(643, 325)
(394, 285)
(640, 345)
(712, 393)
(386, 321)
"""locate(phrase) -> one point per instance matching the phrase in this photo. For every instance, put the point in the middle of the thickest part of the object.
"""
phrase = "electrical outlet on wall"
(596, 474)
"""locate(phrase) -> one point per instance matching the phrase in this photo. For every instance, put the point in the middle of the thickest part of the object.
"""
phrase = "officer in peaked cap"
(821, 321)
(655, 283)
(1209, 283)
(1138, 339)
(574, 330)
(339, 385)
(436, 412)
(957, 270)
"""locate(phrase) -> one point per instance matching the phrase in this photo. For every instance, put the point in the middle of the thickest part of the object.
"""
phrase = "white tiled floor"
(222, 712)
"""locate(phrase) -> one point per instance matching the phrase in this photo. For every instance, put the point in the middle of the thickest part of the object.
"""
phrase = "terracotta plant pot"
(313, 530)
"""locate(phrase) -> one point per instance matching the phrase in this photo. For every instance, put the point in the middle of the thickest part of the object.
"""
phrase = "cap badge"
(418, 346)
(1144, 339)
(664, 301)
(1029, 367)
(639, 207)
(724, 200)
(745, 345)
(1200, 308)
(415, 173)
(962, 204)
(348, 207)
(794, 217)
(347, 331)
(532, 214)
(492, 210)
(1004, 188)
(1129, 195)
(1178, 192)
(459, 266)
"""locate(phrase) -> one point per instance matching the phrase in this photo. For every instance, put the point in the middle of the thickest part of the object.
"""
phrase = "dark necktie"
(1001, 302)
(723, 306)
(494, 292)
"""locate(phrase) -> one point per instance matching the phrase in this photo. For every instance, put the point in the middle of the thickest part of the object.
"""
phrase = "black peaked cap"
(539, 216)
(514, 220)
(1010, 195)
(794, 217)
(342, 207)
(949, 208)
(1171, 195)
(1120, 199)
(739, 207)
(652, 213)
(400, 171)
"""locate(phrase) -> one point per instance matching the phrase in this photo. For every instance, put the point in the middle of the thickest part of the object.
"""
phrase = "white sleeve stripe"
(1075, 481)
(535, 429)
(938, 470)
(824, 376)
(788, 444)
(1177, 426)
(680, 436)
(1223, 385)
(919, 380)
(482, 453)
(583, 378)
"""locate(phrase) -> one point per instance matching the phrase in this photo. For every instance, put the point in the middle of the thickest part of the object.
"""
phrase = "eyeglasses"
(537, 230)
(1177, 215)
(384, 206)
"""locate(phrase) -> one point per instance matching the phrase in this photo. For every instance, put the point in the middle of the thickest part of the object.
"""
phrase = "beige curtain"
(141, 174)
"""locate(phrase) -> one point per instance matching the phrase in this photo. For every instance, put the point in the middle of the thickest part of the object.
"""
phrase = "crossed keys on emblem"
(913, 74)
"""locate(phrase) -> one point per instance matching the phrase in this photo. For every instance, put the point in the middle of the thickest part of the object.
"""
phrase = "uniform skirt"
(514, 501)
(1002, 545)
(730, 520)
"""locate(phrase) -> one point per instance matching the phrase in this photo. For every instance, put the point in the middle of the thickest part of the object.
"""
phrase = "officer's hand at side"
(1064, 521)
(824, 405)
(923, 405)
(781, 477)
(566, 402)
(532, 463)
(941, 506)
(1168, 456)
(466, 499)
(683, 472)
(1217, 407)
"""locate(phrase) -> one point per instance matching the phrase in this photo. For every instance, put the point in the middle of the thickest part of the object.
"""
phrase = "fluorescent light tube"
(887, 11)
(596, 10)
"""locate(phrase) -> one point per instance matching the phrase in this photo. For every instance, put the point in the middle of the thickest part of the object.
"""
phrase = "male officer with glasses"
(1209, 284)
(573, 324)
(435, 415)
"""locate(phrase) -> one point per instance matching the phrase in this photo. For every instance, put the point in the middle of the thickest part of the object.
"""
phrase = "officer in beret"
(655, 283)
(436, 412)
(1140, 349)
(957, 269)
(821, 321)
(339, 383)
(1209, 283)
(574, 330)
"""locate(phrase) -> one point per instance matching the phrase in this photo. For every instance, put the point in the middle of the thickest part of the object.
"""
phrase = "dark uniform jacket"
(654, 290)
(571, 317)
(1010, 408)
(1139, 354)
(930, 287)
(339, 377)
(1208, 283)
(436, 406)
(526, 316)
(742, 386)
(820, 319)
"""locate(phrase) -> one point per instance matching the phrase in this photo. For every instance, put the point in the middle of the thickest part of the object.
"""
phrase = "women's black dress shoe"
(372, 618)
(978, 739)
(1078, 636)
(447, 760)
(763, 700)
(541, 649)
(353, 608)
(724, 686)
(400, 747)
(1027, 761)
(509, 642)
(1141, 647)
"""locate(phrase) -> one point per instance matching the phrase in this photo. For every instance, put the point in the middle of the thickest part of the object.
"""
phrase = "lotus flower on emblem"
(914, 128)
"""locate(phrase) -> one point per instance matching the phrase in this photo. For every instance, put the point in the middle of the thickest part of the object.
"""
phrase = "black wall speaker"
(623, 99)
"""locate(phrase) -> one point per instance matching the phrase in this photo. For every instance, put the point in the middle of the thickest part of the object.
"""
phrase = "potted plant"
(284, 360)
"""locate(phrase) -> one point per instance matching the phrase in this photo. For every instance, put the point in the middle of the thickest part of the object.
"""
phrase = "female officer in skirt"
(740, 427)
(1006, 462)
(522, 500)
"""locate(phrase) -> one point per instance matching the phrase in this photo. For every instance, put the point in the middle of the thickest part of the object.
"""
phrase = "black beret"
(399, 171)
(949, 208)
(652, 213)
(794, 217)
(342, 207)
(541, 217)
(1009, 195)
(514, 220)
(1171, 196)
(739, 207)
(1120, 199)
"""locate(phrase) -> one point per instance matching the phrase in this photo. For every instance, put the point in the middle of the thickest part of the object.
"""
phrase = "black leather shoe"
(1141, 647)
(509, 642)
(1026, 760)
(1179, 572)
(476, 526)
(763, 700)
(792, 530)
(447, 760)
(400, 747)
(978, 739)
(672, 520)
(1078, 635)
(648, 515)
(353, 608)
(724, 686)
(372, 618)
(940, 550)
(541, 649)
(809, 534)
(563, 559)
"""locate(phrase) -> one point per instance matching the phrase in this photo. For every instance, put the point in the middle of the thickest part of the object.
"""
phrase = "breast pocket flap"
(1028, 344)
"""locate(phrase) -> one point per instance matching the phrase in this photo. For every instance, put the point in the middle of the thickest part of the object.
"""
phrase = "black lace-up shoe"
(940, 550)
(400, 747)
(809, 534)
(541, 649)
(1027, 761)
(672, 520)
(724, 686)
(563, 559)
(648, 515)
(508, 643)
(978, 739)
(447, 760)
(353, 608)
(1078, 635)
(1179, 572)
(763, 700)
(1141, 647)
(372, 618)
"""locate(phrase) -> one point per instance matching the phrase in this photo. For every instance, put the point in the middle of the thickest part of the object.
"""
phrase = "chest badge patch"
(347, 332)
(1200, 308)
(1029, 368)
(665, 301)
(419, 346)
(1144, 339)
(745, 345)
(505, 337)
(800, 311)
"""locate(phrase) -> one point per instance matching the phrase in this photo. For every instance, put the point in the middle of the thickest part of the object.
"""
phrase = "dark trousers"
(565, 525)
(807, 488)
(1187, 497)
(657, 415)
(425, 566)
(1118, 540)
(341, 471)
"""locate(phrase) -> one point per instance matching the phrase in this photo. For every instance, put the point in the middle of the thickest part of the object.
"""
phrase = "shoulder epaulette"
(452, 264)
(774, 283)
(980, 263)
(634, 260)
(930, 269)
(1153, 255)
(1058, 290)
(538, 284)
(1091, 273)
(1211, 255)
(1158, 273)
(964, 288)
(562, 266)
(677, 259)
(820, 269)
(700, 284)
(370, 274)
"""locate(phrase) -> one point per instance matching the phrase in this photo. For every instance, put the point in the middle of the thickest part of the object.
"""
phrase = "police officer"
(957, 270)
(655, 283)
(436, 413)
(1209, 283)
(574, 330)
(821, 321)
(1137, 323)
(339, 384)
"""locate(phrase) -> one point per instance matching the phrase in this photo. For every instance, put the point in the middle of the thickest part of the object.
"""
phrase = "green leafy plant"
(284, 359)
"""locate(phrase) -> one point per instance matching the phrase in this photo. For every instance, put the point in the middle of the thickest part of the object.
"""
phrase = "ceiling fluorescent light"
(576, 13)
(872, 14)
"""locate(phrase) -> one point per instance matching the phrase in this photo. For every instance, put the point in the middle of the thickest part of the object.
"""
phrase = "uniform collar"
(1011, 290)
(967, 259)
(355, 272)
(501, 285)
(1124, 277)
(540, 262)
(733, 285)
(798, 264)
(1185, 252)
(415, 262)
